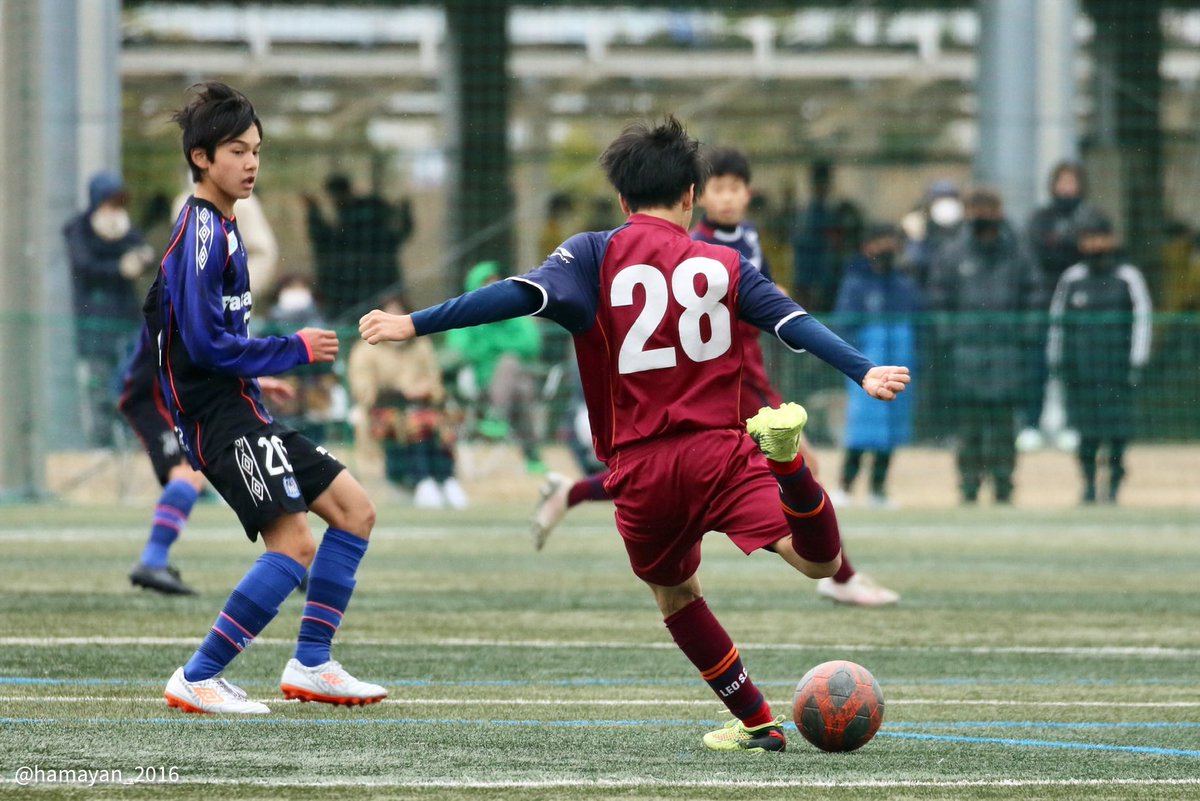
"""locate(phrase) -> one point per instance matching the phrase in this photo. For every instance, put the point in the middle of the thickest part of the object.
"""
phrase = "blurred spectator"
(990, 289)
(602, 215)
(1099, 343)
(107, 256)
(1053, 234)
(262, 249)
(928, 228)
(825, 238)
(876, 305)
(357, 250)
(775, 224)
(319, 398)
(1181, 266)
(1054, 228)
(398, 388)
(500, 356)
(558, 225)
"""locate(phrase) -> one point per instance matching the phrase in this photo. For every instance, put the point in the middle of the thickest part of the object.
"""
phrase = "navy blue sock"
(251, 606)
(330, 584)
(170, 516)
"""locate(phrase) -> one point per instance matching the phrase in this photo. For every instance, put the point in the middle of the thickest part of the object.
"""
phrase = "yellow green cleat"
(777, 431)
(734, 736)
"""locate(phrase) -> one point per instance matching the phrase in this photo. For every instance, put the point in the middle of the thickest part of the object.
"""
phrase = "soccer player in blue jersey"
(145, 409)
(654, 316)
(198, 312)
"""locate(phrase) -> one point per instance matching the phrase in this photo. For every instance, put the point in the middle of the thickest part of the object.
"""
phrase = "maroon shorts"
(673, 490)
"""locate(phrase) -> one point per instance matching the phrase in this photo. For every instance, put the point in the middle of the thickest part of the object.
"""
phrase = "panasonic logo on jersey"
(237, 302)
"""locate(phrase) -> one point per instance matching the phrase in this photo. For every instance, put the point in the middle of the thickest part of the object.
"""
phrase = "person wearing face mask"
(876, 304)
(1053, 236)
(930, 227)
(988, 290)
(1100, 323)
(107, 255)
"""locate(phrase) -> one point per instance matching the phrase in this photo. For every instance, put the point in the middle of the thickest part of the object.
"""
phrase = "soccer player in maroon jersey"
(653, 313)
(724, 200)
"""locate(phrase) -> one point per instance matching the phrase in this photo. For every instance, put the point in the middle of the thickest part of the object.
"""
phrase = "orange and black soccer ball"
(838, 706)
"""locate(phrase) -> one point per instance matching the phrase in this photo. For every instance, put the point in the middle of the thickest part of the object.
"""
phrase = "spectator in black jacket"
(1053, 235)
(107, 256)
(986, 287)
(357, 262)
(1100, 321)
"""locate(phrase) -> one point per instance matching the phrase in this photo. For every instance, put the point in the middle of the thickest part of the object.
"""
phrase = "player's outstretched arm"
(322, 343)
(378, 326)
(886, 381)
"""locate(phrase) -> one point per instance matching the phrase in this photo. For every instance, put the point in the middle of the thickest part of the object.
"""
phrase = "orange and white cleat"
(329, 683)
(210, 695)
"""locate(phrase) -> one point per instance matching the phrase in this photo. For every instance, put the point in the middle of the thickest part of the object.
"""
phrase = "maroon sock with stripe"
(588, 489)
(809, 513)
(703, 640)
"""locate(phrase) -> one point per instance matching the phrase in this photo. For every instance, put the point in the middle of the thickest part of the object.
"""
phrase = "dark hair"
(728, 161)
(653, 167)
(216, 114)
(983, 197)
(1073, 167)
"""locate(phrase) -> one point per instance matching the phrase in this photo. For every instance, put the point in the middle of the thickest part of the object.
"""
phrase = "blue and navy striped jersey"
(198, 313)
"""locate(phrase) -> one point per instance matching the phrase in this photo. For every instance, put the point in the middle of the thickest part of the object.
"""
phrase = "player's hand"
(378, 326)
(321, 342)
(276, 389)
(886, 382)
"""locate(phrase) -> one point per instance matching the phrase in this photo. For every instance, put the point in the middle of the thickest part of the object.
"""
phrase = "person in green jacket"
(500, 356)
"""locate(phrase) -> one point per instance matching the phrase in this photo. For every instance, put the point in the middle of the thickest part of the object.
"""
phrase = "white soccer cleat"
(455, 495)
(329, 683)
(551, 507)
(860, 590)
(210, 695)
(428, 495)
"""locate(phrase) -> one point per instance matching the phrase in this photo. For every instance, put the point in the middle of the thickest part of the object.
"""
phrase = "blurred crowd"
(1020, 334)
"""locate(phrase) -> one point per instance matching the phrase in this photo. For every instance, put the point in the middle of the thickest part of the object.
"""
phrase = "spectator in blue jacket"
(876, 305)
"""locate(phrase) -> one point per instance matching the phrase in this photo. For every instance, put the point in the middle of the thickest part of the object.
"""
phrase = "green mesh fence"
(406, 143)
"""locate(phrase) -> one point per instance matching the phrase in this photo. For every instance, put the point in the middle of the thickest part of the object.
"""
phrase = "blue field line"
(1131, 749)
(1029, 724)
(601, 682)
(259, 721)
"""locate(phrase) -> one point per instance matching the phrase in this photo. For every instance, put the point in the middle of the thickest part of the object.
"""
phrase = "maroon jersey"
(756, 387)
(664, 354)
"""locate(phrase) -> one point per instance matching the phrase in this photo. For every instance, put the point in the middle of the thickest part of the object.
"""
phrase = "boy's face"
(234, 166)
(725, 199)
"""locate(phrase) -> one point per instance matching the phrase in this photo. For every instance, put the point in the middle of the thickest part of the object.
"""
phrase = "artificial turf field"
(1034, 655)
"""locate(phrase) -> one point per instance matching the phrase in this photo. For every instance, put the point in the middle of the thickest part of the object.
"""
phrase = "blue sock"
(251, 606)
(330, 584)
(170, 516)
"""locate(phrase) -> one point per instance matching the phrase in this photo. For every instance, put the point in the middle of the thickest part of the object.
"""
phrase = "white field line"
(1150, 651)
(617, 702)
(517, 784)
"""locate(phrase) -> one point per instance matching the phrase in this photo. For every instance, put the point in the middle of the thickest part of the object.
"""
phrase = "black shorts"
(154, 428)
(270, 472)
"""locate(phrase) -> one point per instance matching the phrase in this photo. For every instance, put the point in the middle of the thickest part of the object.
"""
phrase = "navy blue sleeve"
(804, 333)
(569, 281)
(195, 288)
(761, 304)
(565, 289)
(502, 300)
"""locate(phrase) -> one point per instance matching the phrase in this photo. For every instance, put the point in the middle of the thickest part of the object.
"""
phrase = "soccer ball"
(838, 706)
